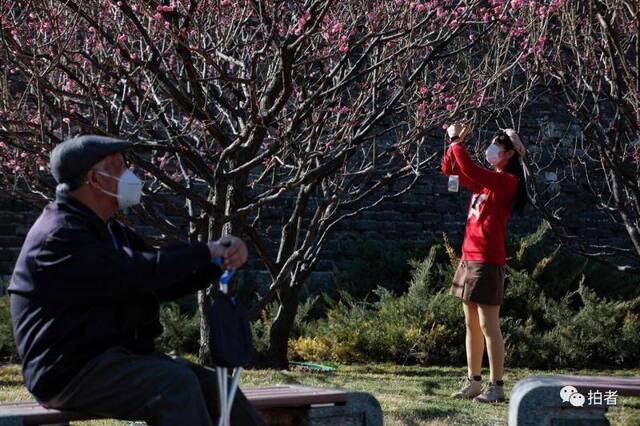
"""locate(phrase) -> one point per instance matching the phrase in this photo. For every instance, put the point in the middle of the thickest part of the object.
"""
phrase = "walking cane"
(226, 390)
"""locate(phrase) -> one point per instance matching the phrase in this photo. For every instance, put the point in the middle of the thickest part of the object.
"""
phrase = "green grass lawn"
(409, 395)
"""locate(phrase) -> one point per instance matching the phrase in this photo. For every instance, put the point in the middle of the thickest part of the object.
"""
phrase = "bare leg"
(490, 324)
(474, 338)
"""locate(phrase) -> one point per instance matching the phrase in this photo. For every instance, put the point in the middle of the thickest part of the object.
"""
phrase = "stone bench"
(536, 400)
(282, 405)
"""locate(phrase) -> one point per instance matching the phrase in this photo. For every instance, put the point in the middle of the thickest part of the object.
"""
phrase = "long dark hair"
(515, 168)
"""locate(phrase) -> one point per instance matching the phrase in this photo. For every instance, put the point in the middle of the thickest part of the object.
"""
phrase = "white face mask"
(129, 189)
(493, 154)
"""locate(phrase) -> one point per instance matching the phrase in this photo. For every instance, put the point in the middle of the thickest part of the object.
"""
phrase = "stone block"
(365, 225)
(536, 401)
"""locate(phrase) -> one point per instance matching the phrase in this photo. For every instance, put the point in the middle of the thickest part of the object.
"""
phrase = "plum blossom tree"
(587, 59)
(235, 105)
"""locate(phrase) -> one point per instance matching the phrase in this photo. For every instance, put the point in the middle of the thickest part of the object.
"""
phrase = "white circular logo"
(577, 400)
(566, 392)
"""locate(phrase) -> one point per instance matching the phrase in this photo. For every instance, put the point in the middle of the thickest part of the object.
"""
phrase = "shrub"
(418, 326)
(181, 331)
(595, 334)
(8, 350)
(555, 315)
(261, 327)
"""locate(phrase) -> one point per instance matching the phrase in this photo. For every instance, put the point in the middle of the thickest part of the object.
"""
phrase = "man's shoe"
(492, 393)
(470, 389)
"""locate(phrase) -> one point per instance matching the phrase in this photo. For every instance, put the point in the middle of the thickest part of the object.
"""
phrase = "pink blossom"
(66, 120)
(340, 109)
(122, 38)
(438, 87)
(542, 12)
(555, 5)
(302, 22)
(516, 4)
(165, 9)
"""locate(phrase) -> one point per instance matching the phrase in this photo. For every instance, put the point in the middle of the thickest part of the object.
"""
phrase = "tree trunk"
(213, 231)
(281, 329)
(204, 302)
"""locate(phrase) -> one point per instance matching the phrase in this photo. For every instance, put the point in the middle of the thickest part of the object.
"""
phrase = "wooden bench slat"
(293, 396)
(278, 396)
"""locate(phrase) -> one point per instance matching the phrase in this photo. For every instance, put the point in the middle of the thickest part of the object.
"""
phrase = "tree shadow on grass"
(429, 387)
(289, 380)
(10, 382)
(430, 373)
(418, 416)
(326, 379)
(421, 372)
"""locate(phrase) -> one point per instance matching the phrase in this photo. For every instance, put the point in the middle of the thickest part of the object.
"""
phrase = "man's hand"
(232, 249)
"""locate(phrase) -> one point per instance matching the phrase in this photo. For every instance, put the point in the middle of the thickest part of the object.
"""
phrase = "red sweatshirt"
(490, 207)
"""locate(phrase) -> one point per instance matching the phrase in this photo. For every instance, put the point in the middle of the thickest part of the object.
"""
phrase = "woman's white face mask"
(493, 154)
(129, 189)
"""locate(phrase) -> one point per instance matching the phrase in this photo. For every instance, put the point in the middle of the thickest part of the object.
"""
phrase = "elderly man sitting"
(85, 297)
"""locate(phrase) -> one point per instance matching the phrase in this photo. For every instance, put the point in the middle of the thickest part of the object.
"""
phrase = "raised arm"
(486, 178)
(450, 167)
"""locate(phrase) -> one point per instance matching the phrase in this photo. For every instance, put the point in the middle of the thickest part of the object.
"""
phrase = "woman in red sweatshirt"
(479, 279)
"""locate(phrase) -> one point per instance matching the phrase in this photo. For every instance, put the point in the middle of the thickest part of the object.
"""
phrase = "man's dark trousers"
(156, 388)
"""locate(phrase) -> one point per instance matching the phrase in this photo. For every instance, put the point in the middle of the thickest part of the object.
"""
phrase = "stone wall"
(16, 217)
(420, 216)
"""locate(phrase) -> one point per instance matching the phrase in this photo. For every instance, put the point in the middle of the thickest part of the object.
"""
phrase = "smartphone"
(454, 183)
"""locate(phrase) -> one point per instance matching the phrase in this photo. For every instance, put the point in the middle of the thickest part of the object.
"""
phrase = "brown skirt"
(479, 282)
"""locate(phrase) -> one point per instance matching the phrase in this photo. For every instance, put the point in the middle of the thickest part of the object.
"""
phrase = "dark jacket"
(79, 288)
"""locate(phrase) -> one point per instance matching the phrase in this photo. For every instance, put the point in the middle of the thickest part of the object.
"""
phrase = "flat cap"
(72, 159)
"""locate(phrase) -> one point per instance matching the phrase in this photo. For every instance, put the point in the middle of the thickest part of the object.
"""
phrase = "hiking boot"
(470, 389)
(492, 393)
